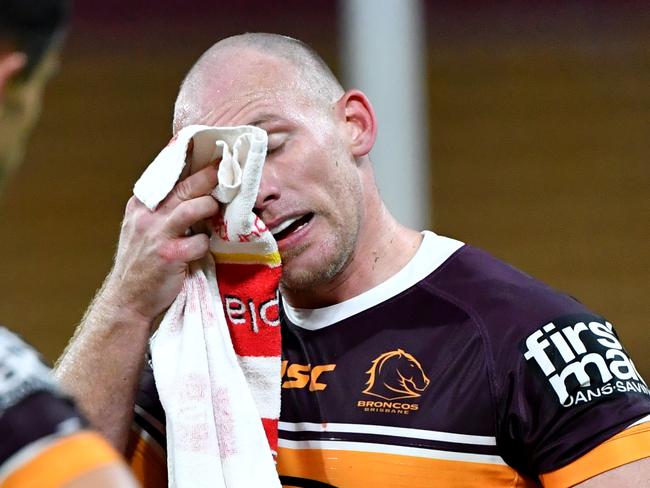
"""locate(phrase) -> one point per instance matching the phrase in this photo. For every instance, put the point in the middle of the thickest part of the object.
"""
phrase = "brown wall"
(539, 130)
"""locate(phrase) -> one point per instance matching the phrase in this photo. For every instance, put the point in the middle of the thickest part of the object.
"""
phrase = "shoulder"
(44, 438)
(504, 301)
(22, 371)
(563, 383)
(30, 402)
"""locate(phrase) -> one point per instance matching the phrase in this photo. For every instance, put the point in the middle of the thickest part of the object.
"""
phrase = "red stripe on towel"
(271, 429)
(250, 303)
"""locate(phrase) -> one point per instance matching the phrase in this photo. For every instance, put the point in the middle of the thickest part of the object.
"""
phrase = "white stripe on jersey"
(391, 431)
(640, 421)
(391, 449)
(149, 418)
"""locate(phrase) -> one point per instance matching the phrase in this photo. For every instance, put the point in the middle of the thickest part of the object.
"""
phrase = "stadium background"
(539, 125)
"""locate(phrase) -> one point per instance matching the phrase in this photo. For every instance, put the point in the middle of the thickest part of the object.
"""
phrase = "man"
(44, 441)
(410, 359)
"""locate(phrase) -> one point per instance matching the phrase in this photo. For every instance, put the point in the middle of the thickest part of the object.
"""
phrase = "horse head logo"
(394, 375)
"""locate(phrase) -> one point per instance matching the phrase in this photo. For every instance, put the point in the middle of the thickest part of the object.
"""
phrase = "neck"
(383, 247)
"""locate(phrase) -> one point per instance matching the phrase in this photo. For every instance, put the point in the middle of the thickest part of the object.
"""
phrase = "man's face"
(20, 108)
(310, 195)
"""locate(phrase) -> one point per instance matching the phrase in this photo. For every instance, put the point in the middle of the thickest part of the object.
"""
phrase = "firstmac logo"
(582, 359)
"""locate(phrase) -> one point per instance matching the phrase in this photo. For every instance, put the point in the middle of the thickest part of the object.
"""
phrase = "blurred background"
(538, 147)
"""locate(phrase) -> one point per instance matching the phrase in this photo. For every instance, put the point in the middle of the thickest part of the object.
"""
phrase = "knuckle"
(141, 222)
(137, 216)
(184, 249)
(184, 189)
(171, 251)
(131, 204)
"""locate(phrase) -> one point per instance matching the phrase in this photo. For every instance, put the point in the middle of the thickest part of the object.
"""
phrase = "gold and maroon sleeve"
(628, 446)
(60, 461)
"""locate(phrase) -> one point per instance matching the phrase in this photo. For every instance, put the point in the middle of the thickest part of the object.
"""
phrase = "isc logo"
(300, 375)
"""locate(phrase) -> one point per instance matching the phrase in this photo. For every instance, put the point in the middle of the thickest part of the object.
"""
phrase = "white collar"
(433, 251)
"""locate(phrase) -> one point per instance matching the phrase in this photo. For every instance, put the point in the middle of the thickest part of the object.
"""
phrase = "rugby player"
(410, 359)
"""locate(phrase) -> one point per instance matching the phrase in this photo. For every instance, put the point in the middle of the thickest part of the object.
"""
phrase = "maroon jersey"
(458, 371)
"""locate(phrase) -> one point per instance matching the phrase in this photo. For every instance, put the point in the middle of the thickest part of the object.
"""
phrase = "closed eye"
(274, 149)
(276, 143)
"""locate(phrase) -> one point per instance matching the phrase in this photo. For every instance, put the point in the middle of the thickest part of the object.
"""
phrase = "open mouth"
(289, 226)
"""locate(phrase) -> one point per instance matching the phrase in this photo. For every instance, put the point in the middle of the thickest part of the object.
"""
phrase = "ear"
(356, 113)
(10, 64)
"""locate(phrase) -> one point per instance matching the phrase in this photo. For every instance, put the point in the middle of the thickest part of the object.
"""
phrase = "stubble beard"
(336, 249)
(336, 254)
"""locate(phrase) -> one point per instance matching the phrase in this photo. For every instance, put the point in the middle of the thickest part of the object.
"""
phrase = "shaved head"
(312, 76)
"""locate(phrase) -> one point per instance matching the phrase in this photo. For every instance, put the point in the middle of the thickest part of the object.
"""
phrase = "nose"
(269, 188)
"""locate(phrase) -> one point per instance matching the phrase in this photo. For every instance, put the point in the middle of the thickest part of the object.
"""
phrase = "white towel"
(214, 395)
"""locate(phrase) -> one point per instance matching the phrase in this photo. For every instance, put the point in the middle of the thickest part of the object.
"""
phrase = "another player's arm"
(636, 473)
(102, 364)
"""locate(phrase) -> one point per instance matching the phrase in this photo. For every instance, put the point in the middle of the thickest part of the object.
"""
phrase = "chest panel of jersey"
(394, 396)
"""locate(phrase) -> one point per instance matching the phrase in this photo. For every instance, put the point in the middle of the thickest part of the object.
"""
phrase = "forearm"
(102, 364)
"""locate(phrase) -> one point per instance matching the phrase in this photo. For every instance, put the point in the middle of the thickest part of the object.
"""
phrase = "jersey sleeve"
(146, 449)
(627, 446)
(44, 441)
(568, 401)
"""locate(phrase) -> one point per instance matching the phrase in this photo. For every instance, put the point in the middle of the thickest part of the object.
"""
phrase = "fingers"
(186, 249)
(190, 212)
(154, 251)
(199, 184)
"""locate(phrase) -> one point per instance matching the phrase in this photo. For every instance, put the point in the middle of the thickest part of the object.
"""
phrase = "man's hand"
(154, 249)
(102, 364)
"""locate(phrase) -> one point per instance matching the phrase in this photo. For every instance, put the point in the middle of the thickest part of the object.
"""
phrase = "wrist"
(117, 307)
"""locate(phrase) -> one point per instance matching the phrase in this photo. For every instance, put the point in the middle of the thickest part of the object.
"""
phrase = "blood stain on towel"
(222, 406)
(193, 431)
(204, 301)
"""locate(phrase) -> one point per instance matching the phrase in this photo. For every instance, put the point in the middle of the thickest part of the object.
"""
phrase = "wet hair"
(31, 26)
(317, 76)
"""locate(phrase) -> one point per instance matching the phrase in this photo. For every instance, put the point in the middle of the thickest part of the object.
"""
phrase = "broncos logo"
(394, 375)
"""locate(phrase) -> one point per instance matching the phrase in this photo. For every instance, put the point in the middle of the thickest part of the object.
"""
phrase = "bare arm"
(102, 364)
(636, 473)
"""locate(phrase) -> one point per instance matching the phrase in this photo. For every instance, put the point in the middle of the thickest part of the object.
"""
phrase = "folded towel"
(216, 354)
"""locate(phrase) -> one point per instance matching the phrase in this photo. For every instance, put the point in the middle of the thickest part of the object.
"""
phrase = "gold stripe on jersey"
(630, 445)
(64, 460)
(346, 468)
(147, 460)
